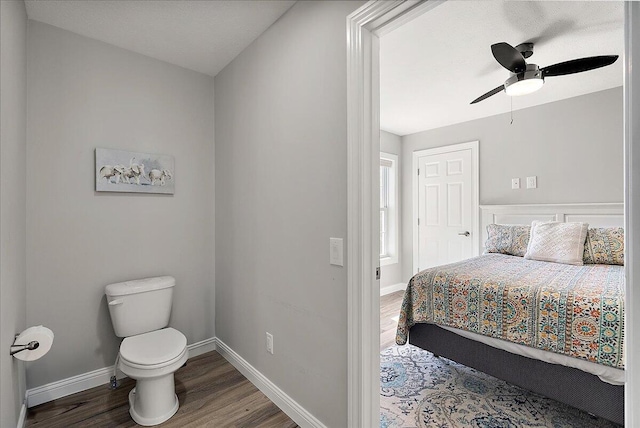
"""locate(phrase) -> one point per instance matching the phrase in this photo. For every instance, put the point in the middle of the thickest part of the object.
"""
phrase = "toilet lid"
(155, 347)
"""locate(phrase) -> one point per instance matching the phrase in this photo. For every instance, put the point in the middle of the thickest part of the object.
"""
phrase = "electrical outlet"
(515, 183)
(532, 182)
(270, 343)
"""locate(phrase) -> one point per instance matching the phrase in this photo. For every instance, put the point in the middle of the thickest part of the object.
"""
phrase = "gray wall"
(573, 146)
(84, 94)
(281, 192)
(392, 274)
(13, 109)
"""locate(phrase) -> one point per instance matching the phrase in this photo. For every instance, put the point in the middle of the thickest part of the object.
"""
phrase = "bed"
(552, 328)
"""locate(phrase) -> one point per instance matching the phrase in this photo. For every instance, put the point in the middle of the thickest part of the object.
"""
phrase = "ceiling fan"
(527, 78)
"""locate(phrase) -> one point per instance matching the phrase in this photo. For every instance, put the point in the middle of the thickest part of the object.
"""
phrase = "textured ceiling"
(435, 65)
(199, 35)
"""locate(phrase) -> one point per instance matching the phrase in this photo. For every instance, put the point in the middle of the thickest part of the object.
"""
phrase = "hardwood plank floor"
(389, 308)
(210, 390)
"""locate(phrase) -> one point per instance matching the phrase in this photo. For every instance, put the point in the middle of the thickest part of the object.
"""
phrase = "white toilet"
(151, 352)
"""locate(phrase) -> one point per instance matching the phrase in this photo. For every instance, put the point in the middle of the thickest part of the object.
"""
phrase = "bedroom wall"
(573, 146)
(84, 94)
(281, 192)
(392, 274)
(13, 109)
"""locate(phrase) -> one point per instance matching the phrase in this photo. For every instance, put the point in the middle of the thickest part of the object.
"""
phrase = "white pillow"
(557, 242)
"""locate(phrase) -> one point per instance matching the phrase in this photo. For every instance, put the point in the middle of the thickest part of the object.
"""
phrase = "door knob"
(465, 233)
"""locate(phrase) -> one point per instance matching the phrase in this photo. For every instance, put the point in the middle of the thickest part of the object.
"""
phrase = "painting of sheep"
(123, 171)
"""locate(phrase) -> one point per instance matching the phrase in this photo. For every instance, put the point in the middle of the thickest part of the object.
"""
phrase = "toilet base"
(150, 421)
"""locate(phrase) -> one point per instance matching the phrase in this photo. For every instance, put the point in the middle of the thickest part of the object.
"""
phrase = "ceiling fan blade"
(578, 65)
(509, 57)
(488, 94)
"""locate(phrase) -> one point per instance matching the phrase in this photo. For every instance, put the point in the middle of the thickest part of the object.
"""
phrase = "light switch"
(532, 182)
(335, 252)
(515, 183)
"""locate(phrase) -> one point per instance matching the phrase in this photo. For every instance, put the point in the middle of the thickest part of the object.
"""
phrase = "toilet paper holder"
(34, 344)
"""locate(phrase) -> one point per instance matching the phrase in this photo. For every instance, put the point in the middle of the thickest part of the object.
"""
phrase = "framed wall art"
(122, 171)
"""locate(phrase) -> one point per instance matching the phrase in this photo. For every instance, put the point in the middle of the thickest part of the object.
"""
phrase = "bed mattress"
(575, 312)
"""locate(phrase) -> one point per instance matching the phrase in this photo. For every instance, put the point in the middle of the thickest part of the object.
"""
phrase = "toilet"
(151, 351)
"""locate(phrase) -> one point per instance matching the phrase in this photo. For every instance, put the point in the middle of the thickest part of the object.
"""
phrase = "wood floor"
(389, 308)
(210, 390)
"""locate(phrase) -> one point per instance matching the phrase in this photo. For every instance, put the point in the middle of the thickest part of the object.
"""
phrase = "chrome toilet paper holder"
(34, 344)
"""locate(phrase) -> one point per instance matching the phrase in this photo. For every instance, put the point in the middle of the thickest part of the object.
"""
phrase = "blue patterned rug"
(420, 390)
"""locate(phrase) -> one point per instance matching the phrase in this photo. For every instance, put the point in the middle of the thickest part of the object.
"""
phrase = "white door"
(447, 206)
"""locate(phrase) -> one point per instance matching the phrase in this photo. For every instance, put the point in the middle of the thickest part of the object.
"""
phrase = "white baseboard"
(62, 388)
(202, 347)
(393, 288)
(287, 404)
(22, 419)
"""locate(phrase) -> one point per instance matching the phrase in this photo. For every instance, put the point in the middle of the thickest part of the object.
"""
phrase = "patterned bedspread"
(573, 310)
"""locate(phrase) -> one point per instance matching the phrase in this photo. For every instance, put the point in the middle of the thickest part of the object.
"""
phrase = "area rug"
(419, 390)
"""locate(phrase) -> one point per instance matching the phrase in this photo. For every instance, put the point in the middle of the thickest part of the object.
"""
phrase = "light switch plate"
(532, 182)
(515, 183)
(336, 252)
(270, 343)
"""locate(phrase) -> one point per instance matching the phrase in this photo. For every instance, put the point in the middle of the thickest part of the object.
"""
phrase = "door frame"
(364, 27)
(475, 194)
(632, 210)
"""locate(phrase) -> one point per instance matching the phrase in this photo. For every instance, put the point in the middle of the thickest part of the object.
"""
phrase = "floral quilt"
(572, 310)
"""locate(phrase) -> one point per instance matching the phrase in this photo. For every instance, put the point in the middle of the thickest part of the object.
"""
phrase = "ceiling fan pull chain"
(511, 98)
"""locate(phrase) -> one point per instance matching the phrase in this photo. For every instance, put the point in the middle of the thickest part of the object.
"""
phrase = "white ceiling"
(435, 65)
(199, 35)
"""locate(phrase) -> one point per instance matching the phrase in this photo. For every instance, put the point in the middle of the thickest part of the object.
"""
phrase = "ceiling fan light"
(524, 87)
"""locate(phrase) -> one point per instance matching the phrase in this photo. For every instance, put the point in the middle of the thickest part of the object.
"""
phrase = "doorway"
(365, 26)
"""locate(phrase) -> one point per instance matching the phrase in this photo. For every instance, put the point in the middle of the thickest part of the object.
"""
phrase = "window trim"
(393, 212)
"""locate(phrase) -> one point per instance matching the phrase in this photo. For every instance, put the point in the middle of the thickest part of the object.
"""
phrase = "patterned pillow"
(604, 245)
(506, 239)
(557, 242)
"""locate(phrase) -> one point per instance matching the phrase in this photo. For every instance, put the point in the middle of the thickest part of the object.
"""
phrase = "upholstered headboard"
(597, 215)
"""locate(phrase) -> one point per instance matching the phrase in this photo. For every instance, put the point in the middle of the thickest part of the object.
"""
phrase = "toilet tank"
(140, 306)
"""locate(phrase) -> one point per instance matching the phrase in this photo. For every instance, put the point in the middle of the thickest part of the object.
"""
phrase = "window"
(385, 173)
(388, 208)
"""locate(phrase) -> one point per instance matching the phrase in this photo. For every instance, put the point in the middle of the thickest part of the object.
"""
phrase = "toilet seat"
(153, 350)
(130, 369)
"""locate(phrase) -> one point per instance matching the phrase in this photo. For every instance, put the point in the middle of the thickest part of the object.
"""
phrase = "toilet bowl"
(151, 352)
(152, 359)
